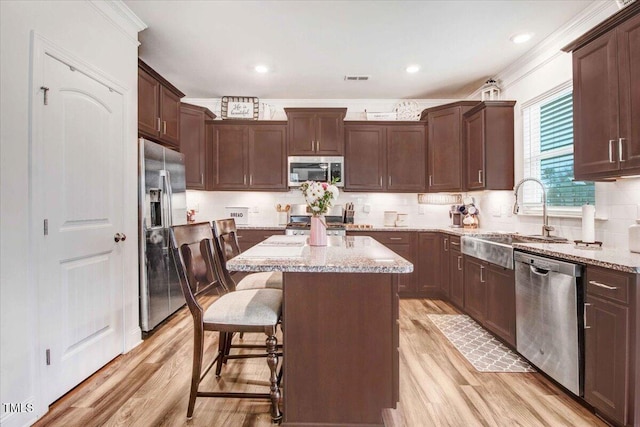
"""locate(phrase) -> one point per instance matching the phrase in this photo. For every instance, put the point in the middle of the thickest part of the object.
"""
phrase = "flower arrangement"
(319, 196)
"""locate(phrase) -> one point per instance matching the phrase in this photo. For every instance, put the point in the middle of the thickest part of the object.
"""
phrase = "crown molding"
(121, 17)
(550, 48)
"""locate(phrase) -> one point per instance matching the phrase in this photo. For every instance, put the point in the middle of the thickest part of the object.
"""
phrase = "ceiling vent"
(356, 78)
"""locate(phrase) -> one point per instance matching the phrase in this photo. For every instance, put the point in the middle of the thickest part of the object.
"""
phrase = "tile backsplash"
(617, 205)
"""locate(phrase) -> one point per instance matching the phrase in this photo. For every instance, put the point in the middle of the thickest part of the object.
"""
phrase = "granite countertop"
(615, 259)
(607, 257)
(347, 254)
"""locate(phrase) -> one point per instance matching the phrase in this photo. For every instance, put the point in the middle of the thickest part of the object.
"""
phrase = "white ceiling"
(209, 49)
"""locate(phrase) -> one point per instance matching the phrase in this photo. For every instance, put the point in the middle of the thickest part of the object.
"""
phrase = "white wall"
(93, 33)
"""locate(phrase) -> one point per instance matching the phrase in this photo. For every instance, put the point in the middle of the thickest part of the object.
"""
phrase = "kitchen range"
(300, 221)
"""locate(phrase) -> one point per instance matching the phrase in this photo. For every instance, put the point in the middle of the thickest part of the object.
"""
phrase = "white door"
(78, 182)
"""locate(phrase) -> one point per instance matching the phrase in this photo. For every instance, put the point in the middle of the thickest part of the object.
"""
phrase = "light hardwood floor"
(438, 387)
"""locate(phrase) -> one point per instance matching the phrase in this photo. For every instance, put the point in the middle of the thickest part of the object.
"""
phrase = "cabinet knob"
(480, 176)
(119, 236)
(620, 152)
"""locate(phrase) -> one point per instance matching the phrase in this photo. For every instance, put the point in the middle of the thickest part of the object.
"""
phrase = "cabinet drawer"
(249, 238)
(608, 284)
(391, 237)
(454, 242)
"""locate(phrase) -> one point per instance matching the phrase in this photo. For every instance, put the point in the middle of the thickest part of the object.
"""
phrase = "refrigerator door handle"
(167, 179)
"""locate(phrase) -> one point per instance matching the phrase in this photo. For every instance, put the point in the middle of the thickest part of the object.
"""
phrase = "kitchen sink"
(498, 248)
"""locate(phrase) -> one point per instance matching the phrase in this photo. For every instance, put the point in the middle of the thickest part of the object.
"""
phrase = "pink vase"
(318, 235)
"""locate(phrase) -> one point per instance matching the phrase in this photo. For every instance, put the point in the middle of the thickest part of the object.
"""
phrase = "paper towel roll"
(588, 223)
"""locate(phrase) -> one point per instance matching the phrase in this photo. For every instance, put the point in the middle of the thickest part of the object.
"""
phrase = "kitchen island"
(341, 338)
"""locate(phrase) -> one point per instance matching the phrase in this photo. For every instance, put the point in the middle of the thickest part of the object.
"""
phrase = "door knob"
(119, 236)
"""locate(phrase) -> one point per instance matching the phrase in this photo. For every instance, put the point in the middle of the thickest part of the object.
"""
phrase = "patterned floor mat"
(478, 346)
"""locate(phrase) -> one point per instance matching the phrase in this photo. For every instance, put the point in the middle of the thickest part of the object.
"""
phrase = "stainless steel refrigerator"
(162, 203)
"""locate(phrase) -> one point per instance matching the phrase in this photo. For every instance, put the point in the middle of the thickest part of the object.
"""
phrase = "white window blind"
(547, 123)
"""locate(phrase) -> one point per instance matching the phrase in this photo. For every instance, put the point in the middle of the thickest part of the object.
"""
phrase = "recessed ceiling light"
(521, 38)
(413, 68)
(261, 69)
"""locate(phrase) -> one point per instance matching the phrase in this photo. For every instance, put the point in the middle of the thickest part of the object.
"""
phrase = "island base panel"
(341, 338)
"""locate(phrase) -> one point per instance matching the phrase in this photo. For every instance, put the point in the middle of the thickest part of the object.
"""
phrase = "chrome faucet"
(546, 228)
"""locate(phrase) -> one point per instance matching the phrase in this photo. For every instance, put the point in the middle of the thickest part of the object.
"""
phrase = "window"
(547, 123)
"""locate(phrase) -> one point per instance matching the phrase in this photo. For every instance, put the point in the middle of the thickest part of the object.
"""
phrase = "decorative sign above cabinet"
(237, 107)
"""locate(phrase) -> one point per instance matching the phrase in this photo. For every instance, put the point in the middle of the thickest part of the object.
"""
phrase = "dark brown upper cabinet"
(158, 107)
(248, 156)
(444, 146)
(606, 98)
(488, 145)
(316, 131)
(385, 156)
(193, 144)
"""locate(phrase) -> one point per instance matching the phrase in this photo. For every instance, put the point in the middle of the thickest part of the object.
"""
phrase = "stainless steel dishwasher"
(549, 317)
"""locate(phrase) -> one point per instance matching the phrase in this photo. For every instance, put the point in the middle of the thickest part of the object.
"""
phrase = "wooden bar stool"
(253, 310)
(227, 236)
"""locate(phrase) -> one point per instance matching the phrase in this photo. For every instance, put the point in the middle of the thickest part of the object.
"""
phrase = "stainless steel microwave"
(309, 168)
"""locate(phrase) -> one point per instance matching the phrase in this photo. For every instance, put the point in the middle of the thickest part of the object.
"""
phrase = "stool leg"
(198, 344)
(272, 361)
(222, 351)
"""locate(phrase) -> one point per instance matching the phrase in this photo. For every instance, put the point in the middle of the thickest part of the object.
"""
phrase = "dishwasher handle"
(548, 264)
(539, 271)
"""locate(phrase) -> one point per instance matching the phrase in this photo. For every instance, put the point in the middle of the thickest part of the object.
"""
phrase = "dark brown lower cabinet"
(475, 291)
(610, 358)
(429, 272)
(445, 262)
(456, 273)
(249, 238)
(501, 303)
(490, 297)
(404, 244)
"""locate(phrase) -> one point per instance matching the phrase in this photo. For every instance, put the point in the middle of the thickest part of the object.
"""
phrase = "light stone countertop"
(606, 257)
(348, 254)
(615, 259)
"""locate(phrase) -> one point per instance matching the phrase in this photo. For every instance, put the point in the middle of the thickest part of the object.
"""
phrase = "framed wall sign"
(238, 107)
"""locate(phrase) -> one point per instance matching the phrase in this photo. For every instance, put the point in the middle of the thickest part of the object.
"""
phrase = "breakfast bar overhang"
(341, 337)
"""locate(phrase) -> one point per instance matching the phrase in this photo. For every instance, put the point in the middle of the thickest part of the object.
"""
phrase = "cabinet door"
(192, 145)
(406, 158)
(148, 104)
(329, 134)
(595, 107)
(230, 156)
(429, 273)
(444, 151)
(407, 285)
(456, 276)
(267, 157)
(474, 136)
(607, 357)
(364, 158)
(475, 290)
(301, 134)
(445, 261)
(629, 63)
(169, 117)
(404, 244)
(501, 303)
